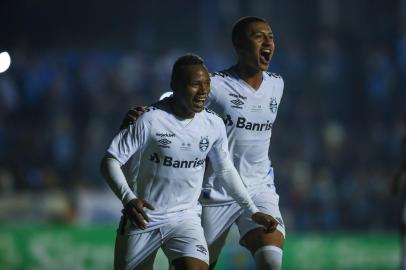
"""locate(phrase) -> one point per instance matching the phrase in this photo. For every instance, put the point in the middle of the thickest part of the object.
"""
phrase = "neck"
(251, 76)
(179, 109)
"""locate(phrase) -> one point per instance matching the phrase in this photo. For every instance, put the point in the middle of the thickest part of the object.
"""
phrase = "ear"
(238, 46)
(238, 49)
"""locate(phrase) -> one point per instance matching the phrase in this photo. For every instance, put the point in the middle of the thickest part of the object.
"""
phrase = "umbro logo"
(237, 102)
(164, 141)
(201, 249)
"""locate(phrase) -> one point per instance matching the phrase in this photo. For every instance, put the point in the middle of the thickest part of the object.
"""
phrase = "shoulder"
(213, 118)
(150, 112)
(159, 107)
(220, 80)
(211, 113)
(273, 75)
(157, 110)
(213, 123)
(221, 74)
(275, 79)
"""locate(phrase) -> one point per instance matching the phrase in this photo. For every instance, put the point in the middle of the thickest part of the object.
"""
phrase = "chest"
(244, 108)
(189, 142)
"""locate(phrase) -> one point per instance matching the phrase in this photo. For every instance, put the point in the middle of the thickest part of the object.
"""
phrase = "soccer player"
(167, 148)
(399, 188)
(247, 97)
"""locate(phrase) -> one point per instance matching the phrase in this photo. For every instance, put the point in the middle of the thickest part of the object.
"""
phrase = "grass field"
(42, 247)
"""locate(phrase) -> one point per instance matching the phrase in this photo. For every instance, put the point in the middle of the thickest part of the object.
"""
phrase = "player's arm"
(124, 145)
(133, 207)
(232, 182)
(226, 172)
(134, 113)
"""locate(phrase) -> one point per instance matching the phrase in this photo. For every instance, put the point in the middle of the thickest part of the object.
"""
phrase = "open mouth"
(265, 56)
(199, 100)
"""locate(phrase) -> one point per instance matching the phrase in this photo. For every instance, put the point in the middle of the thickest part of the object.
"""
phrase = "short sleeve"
(130, 140)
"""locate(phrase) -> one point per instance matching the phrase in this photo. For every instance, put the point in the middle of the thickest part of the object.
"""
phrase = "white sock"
(268, 258)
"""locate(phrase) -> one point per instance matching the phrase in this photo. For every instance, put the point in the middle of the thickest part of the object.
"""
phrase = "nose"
(204, 88)
(268, 40)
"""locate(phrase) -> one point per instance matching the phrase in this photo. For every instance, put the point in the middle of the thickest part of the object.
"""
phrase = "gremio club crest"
(204, 144)
(273, 105)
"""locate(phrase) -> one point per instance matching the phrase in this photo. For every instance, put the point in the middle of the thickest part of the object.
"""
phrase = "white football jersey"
(249, 116)
(171, 154)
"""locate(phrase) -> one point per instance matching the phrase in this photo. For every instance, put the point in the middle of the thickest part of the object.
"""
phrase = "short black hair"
(240, 27)
(185, 60)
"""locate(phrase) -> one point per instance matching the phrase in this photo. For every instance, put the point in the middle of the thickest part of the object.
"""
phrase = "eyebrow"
(197, 80)
(262, 32)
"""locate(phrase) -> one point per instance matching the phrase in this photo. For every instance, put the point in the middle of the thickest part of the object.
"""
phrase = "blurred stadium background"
(77, 66)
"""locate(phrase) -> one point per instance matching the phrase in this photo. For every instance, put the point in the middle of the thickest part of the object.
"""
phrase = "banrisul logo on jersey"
(204, 144)
(154, 158)
(169, 161)
(227, 120)
(243, 123)
(273, 105)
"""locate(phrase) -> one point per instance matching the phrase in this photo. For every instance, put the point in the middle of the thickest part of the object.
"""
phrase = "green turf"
(41, 247)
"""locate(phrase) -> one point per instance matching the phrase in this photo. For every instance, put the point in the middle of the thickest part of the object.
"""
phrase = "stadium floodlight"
(5, 61)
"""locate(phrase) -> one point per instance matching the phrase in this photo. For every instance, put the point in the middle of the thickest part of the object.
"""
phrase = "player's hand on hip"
(132, 115)
(265, 220)
(134, 210)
